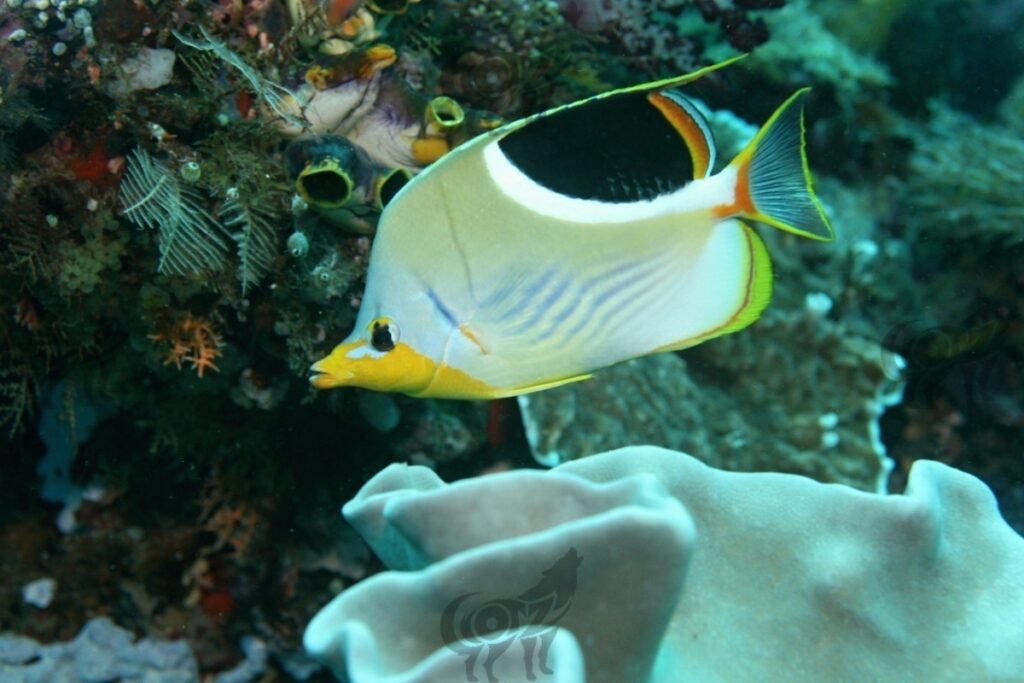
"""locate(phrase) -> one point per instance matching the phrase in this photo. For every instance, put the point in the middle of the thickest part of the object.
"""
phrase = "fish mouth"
(323, 377)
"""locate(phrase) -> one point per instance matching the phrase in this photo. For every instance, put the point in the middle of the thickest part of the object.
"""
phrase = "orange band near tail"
(743, 201)
(688, 129)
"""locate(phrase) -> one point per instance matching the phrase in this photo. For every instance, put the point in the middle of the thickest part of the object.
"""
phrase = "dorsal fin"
(617, 147)
(650, 86)
(691, 125)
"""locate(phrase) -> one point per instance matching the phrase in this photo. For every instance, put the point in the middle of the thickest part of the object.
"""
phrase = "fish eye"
(383, 334)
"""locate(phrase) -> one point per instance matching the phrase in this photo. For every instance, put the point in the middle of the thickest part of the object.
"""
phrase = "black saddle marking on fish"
(618, 149)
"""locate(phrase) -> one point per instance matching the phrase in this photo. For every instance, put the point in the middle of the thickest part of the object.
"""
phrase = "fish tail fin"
(773, 181)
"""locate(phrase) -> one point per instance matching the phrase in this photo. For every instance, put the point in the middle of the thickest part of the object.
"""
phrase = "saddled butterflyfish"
(562, 243)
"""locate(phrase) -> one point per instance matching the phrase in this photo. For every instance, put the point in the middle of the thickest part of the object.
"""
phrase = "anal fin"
(758, 294)
(530, 388)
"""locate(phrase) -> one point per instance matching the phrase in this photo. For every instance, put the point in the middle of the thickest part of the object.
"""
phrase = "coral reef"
(804, 50)
(337, 179)
(509, 53)
(731, 394)
(652, 567)
(191, 241)
(650, 31)
(359, 96)
(101, 652)
(962, 175)
(864, 25)
(166, 285)
(190, 340)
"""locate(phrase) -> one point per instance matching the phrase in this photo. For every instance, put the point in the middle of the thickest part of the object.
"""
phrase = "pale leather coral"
(684, 573)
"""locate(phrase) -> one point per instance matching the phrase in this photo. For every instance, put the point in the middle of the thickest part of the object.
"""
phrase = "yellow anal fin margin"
(758, 294)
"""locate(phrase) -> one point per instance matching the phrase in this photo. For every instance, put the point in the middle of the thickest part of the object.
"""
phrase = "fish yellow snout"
(354, 364)
(328, 374)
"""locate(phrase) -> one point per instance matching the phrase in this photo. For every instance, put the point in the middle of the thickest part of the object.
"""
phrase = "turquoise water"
(192, 193)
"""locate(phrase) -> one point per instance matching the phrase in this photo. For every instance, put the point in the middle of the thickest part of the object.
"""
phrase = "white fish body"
(491, 283)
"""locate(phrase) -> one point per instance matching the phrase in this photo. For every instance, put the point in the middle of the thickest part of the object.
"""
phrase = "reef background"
(163, 460)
